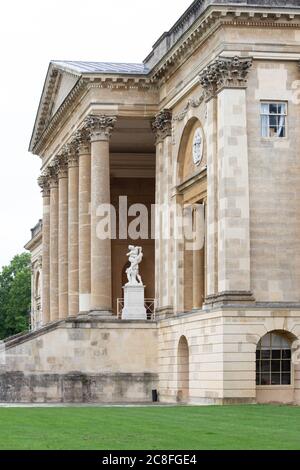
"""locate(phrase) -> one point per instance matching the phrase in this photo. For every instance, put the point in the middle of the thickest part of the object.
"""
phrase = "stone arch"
(185, 165)
(37, 285)
(183, 370)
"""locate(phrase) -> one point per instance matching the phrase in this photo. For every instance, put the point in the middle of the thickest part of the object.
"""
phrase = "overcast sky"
(33, 32)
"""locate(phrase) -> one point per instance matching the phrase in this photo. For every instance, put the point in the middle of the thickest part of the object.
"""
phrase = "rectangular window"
(273, 119)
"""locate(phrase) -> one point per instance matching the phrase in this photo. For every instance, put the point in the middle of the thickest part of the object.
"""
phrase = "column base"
(101, 314)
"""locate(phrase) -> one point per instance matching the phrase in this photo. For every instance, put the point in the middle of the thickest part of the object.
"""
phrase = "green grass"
(169, 428)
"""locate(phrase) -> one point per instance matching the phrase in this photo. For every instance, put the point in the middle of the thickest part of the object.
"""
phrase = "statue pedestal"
(134, 303)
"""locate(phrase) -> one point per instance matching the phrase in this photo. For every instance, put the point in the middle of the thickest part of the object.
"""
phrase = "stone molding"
(225, 72)
(100, 126)
(162, 125)
(192, 103)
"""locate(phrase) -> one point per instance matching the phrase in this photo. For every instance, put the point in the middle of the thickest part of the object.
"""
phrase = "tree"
(15, 296)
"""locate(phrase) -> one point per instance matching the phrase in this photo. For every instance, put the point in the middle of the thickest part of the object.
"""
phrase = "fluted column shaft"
(73, 266)
(84, 151)
(53, 247)
(44, 183)
(63, 237)
(101, 285)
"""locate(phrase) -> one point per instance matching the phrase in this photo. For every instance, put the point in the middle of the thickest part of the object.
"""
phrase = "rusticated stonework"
(225, 72)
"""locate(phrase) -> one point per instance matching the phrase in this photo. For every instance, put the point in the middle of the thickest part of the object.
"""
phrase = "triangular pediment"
(58, 85)
(66, 83)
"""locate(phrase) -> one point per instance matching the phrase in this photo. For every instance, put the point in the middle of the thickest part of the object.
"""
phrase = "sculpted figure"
(135, 256)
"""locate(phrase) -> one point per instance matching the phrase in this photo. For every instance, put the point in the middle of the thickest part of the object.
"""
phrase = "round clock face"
(198, 146)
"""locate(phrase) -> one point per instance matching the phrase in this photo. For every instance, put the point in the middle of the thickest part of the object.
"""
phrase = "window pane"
(266, 342)
(265, 379)
(276, 341)
(286, 379)
(266, 354)
(282, 108)
(273, 108)
(258, 354)
(257, 379)
(265, 126)
(275, 379)
(264, 108)
(275, 366)
(257, 366)
(286, 354)
(286, 366)
(265, 366)
(276, 354)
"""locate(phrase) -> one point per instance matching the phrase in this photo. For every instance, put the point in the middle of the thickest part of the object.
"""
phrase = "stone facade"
(228, 73)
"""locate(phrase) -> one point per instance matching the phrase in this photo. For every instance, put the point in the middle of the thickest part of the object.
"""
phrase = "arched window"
(274, 360)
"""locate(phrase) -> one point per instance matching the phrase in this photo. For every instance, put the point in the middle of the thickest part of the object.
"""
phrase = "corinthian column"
(63, 236)
(73, 273)
(84, 152)
(43, 182)
(164, 243)
(53, 243)
(101, 288)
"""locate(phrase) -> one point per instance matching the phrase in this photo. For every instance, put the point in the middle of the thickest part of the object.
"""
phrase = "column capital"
(71, 153)
(100, 126)
(162, 125)
(43, 182)
(82, 138)
(53, 174)
(225, 72)
(62, 165)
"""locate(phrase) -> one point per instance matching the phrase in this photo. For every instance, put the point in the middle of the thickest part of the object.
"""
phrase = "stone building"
(210, 119)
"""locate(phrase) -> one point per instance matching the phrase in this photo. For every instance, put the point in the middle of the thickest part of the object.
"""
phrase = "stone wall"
(82, 362)
(222, 356)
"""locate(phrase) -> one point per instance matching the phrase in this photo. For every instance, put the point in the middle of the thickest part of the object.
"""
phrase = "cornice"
(118, 82)
(34, 242)
(208, 23)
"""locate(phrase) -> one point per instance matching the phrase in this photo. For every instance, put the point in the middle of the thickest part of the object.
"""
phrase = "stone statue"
(135, 256)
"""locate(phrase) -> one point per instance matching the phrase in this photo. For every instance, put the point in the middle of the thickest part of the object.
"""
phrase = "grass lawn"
(170, 428)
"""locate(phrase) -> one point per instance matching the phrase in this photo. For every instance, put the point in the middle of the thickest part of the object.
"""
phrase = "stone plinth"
(134, 303)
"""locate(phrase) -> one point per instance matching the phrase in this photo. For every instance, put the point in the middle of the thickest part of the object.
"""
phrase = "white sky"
(33, 32)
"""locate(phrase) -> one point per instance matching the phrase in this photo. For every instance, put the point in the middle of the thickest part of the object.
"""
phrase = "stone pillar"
(227, 78)
(53, 243)
(212, 199)
(73, 257)
(164, 246)
(43, 182)
(101, 284)
(84, 152)
(62, 164)
(198, 275)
